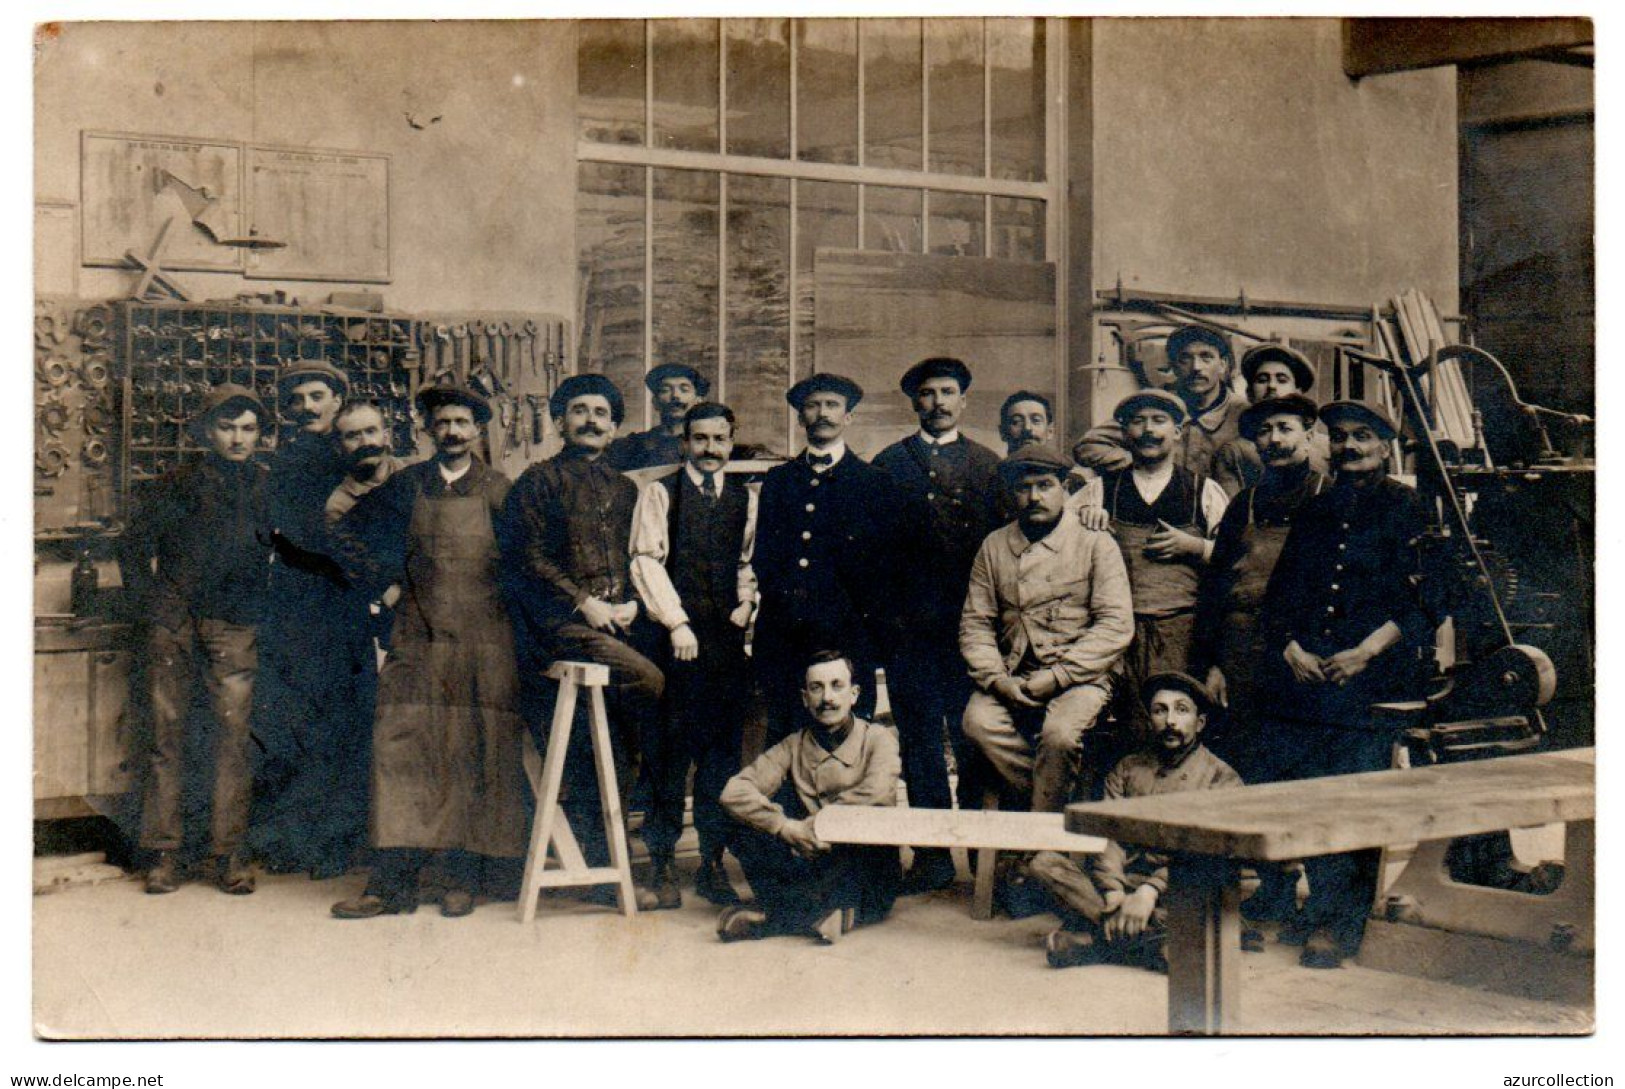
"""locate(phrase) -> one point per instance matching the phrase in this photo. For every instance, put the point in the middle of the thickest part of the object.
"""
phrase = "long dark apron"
(1241, 644)
(446, 770)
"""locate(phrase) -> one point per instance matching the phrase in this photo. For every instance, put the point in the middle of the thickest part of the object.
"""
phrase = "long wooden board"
(1001, 829)
(1312, 817)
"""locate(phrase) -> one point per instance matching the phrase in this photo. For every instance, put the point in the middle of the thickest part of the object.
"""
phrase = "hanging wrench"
(460, 346)
(505, 332)
(530, 332)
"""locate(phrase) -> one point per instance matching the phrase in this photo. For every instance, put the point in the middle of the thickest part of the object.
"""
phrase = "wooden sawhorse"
(551, 829)
(1207, 831)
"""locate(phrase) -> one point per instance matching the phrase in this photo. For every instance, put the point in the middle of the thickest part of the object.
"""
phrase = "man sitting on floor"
(1114, 910)
(803, 885)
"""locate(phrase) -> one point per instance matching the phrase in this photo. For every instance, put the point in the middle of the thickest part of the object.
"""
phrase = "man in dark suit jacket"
(825, 549)
(949, 488)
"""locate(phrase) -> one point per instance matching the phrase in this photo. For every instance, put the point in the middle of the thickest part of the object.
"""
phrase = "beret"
(1185, 334)
(825, 383)
(1356, 412)
(1255, 414)
(702, 384)
(1302, 372)
(1180, 682)
(432, 397)
(580, 385)
(1149, 398)
(297, 371)
(224, 396)
(936, 367)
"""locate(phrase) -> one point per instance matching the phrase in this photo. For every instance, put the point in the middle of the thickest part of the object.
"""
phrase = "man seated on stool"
(1046, 618)
(803, 885)
(1113, 911)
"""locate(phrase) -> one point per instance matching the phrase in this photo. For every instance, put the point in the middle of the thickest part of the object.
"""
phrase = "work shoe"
(711, 882)
(742, 923)
(1296, 929)
(165, 875)
(1070, 948)
(1321, 951)
(456, 903)
(234, 875)
(1252, 940)
(608, 896)
(933, 869)
(666, 892)
(828, 930)
(370, 906)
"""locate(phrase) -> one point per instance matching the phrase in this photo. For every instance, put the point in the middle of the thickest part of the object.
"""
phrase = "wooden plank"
(1004, 830)
(1376, 45)
(1311, 817)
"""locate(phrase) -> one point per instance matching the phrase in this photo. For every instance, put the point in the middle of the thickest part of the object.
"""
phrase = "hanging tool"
(530, 331)
(505, 331)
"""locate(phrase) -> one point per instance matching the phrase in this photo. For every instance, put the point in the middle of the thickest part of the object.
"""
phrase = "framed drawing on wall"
(331, 208)
(131, 185)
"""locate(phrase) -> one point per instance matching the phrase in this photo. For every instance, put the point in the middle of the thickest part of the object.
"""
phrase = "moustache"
(367, 453)
(588, 429)
(827, 707)
(939, 414)
(1150, 442)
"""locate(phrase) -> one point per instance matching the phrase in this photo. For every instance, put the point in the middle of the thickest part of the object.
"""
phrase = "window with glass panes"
(717, 156)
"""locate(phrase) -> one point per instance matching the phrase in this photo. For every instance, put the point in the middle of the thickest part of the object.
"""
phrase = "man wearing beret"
(1270, 370)
(1202, 362)
(1163, 516)
(1344, 626)
(1046, 618)
(310, 717)
(447, 776)
(194, 559)
(568, 528)
(676, 387)
(1113, 910)
(949, 490)
(826, 550)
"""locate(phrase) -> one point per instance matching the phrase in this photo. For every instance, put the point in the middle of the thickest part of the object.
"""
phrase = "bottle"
(83, 586)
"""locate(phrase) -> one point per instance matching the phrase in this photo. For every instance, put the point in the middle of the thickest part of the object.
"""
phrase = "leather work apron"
(446, 768)
(1241, 644)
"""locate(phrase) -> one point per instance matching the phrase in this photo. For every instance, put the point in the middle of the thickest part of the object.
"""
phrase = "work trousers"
(701, 726)
(1162, 644)
(223, 656)
(1342, 887)
(1080, 903)
(1039, 750)
(928, 687)
(396, 871)
(797, 892)
(632, 701)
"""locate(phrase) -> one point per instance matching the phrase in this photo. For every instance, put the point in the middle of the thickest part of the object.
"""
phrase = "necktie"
(708, 486)
(820, 461)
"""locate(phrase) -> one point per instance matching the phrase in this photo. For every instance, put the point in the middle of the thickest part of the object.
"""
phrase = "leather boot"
(711, 882)
(235, 875)
(165, 875)
(667, 893)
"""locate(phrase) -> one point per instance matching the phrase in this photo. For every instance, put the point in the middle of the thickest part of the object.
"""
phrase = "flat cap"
(1036, 457)
(580, 385)
(1186, 334)
(229, 395)
(1179, 682)
(939, 366)
(433, 397)
(298, 371)
(702, 384)
(1294, 403)
(1356, 412)
(1149, 398)
(1303, 373)
(825, 383)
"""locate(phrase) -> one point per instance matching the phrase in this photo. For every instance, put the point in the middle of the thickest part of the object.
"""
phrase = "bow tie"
(818, 461)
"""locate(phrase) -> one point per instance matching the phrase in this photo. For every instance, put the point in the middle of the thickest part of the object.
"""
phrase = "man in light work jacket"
(1046, 618)
(948, 487)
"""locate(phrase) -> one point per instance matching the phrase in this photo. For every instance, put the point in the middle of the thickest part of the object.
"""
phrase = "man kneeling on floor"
(803, 885)
(1114, 912)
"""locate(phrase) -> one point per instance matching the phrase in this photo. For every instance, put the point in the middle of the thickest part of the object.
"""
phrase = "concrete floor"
(111, 962)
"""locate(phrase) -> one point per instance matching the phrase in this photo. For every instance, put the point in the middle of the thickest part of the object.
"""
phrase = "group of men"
(1065, 627)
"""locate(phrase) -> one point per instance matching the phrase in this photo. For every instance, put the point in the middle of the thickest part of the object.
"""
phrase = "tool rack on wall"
(174, 352)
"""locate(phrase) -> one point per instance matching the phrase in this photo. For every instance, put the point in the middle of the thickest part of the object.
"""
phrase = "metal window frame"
(1051, 191)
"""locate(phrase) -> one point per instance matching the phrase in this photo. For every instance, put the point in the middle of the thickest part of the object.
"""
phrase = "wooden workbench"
(1206, 832)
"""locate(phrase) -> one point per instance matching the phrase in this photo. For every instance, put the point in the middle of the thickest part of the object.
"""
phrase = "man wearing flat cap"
(447, 776)
(949, 491)
(1046, 617)
(676, 387)
(1163, 516)
(1344, 626)
(568, 531)
(309, 714)
(1202, 362)
(195, 560)
(1111, 904)
(826, 551)
(1270, 371)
